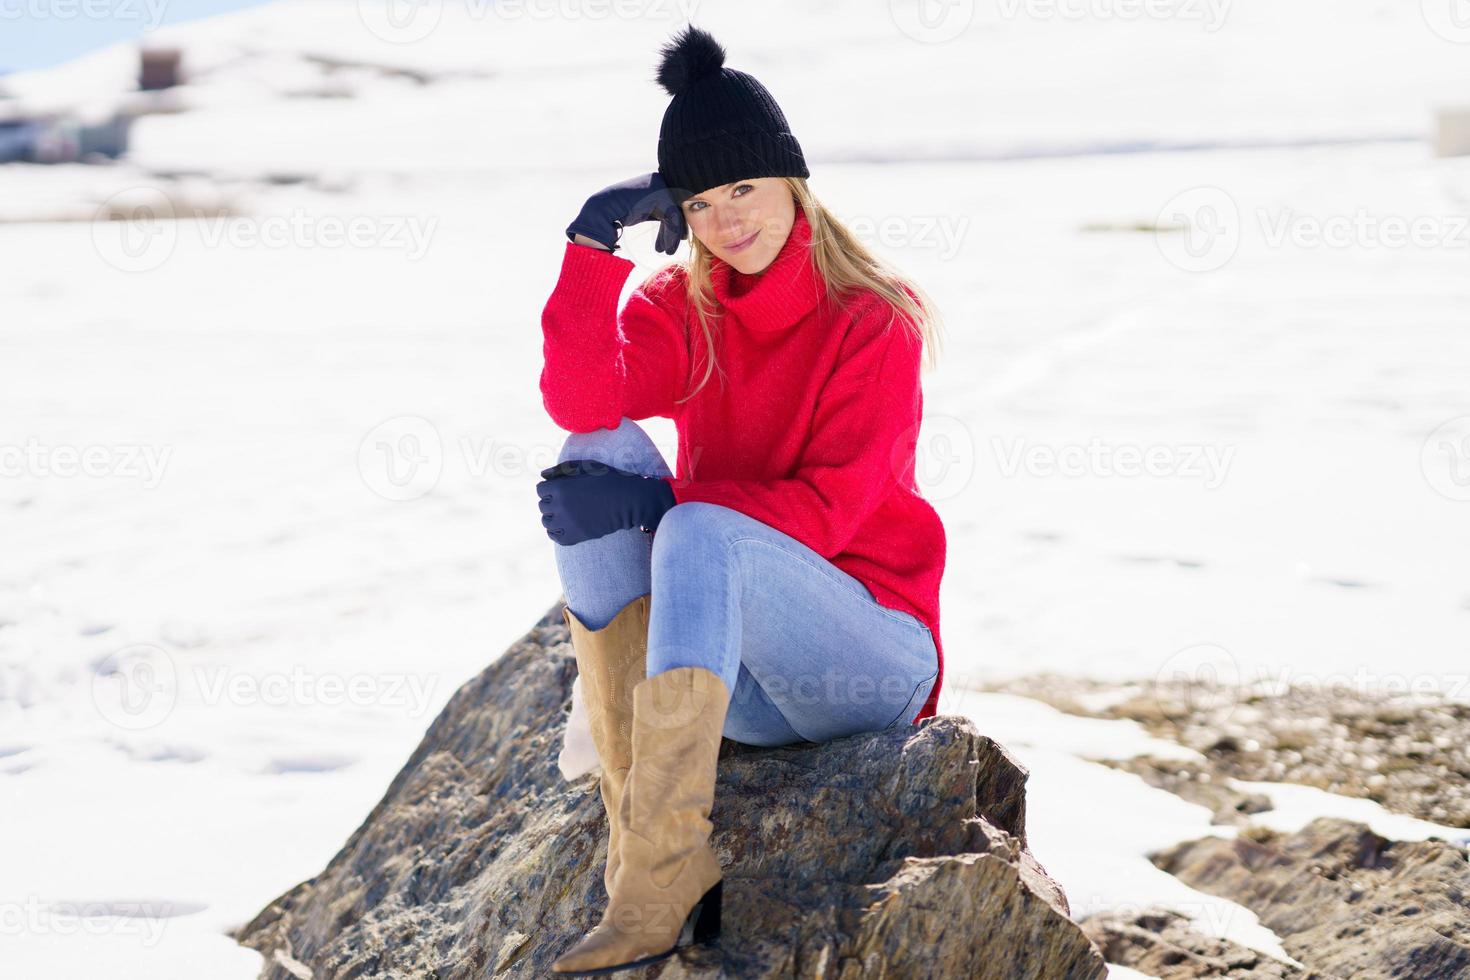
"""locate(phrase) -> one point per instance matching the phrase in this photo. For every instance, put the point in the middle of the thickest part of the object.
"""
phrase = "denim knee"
(696, 526)
(628, 447)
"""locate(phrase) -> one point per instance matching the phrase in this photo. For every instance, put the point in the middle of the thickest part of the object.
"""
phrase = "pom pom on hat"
(721, 125)
(687, 57)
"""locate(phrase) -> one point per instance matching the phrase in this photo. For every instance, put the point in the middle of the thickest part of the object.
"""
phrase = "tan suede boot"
(611, 661)
(667, 892)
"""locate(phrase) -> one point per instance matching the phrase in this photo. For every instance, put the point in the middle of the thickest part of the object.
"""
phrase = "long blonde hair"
(843, 263)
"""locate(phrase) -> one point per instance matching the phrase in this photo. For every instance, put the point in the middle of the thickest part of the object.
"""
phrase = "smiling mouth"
(741, 243)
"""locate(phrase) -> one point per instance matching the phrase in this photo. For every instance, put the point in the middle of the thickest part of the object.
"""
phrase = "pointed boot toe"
(610, 949)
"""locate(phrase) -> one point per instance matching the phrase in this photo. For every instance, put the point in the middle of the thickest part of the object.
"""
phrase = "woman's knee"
(628, 447)
(696, 526)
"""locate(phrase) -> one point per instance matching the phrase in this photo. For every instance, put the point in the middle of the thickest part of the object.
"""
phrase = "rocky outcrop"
(893, 854)
(1162, 943)
(1406, 752)
(1344, 900)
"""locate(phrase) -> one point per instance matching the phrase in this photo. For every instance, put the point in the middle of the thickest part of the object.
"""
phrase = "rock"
(1343, 899)
(893, 854)
(1193, 781)
(1162, 943)
(1404, 751)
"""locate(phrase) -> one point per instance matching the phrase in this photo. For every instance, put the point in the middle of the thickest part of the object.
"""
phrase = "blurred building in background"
(1452, 134)
(94, 132)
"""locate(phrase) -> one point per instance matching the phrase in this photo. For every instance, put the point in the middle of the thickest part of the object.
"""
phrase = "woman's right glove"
(641, 198)
(581, 499)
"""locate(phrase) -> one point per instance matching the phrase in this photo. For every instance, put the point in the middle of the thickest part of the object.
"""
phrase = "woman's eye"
(743, 187)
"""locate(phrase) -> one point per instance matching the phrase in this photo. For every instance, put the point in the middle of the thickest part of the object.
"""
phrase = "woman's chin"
(749, 264)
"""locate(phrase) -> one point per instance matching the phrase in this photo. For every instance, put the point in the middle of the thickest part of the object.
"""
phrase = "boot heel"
(706, 914)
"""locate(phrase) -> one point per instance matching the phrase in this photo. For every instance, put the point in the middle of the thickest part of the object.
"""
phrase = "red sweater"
(813, 431)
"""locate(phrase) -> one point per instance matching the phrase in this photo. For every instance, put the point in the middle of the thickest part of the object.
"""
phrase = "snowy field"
(1203, 400)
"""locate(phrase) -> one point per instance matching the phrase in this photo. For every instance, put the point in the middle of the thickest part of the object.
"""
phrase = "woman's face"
(744, 223)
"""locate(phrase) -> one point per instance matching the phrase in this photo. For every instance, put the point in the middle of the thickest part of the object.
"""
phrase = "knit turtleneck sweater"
(812, 429)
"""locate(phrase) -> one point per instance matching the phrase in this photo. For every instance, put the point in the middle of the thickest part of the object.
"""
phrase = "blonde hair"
(842, 262)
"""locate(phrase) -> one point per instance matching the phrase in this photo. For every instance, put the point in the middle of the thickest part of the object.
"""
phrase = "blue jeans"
(805, 650)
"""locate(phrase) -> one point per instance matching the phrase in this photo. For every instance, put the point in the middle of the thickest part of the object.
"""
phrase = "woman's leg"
(805, 650)
(602, 575)
(606, 582)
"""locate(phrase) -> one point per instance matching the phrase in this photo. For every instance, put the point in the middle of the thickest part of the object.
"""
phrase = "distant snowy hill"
(342, 84)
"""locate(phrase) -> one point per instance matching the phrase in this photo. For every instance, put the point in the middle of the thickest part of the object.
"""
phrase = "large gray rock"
(897, 854)
(1344, 900)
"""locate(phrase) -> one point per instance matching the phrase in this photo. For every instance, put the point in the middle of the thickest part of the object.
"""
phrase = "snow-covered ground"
(267, 488)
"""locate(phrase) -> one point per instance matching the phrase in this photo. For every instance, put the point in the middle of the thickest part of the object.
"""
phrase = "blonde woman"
(783, 584)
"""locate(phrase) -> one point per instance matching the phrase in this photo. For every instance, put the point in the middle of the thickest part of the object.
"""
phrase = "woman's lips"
(744, 243)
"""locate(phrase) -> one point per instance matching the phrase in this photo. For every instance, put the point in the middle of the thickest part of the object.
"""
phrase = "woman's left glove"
(582, 499)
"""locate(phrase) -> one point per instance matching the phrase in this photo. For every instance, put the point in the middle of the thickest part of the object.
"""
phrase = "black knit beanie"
(722, 124)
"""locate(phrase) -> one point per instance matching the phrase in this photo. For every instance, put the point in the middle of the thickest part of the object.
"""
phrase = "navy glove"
(582, 499)
(641, 198)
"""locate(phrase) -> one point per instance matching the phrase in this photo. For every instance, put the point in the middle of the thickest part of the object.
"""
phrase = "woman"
(784, 587)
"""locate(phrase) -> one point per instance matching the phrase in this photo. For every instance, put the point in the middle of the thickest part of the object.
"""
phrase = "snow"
(1018, 721)
(1095, 852)
(1116, 972)
(268, 489)
(1294, 806)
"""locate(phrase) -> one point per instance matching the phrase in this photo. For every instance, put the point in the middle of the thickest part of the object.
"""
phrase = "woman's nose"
(729, 222)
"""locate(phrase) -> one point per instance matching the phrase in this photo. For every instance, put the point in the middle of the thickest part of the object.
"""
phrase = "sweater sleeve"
(600, 363)
(861, 442)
